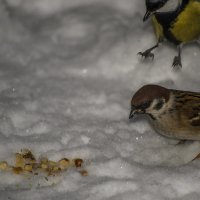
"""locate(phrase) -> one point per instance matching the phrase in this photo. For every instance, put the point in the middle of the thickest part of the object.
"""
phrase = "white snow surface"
(68, 71)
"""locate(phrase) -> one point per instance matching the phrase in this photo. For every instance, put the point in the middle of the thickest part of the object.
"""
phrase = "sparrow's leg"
(147, 53)
(177, 59)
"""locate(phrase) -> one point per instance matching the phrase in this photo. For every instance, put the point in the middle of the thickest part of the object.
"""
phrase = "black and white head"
(160, 5)
(149, 100)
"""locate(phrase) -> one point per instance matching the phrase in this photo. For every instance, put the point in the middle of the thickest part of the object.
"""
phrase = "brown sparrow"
(173, 113)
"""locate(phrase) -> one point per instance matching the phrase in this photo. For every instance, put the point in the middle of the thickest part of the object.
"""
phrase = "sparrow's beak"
(147, 15)
(133, 113)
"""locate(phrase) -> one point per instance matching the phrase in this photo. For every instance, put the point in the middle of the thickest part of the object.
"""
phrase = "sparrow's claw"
(146, 54)
(177, 62)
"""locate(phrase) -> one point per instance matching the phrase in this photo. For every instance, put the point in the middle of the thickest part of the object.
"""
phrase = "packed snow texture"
(68, 71)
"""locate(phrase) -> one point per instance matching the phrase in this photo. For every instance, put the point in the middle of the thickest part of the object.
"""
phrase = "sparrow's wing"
(188, 104)
(194, 117)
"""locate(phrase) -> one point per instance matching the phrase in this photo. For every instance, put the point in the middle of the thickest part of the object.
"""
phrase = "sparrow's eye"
(145, 105)
(159, 104)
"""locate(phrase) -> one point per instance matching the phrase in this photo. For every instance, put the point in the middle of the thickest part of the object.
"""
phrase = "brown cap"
(149, 93)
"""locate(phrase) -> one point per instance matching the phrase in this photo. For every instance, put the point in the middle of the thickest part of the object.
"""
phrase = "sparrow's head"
(149, 100)
(152, 6)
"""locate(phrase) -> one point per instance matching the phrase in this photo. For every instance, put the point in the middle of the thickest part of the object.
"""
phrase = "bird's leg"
(177, 59)
(147, 53)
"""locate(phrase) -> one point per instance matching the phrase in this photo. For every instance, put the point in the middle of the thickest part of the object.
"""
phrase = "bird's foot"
(177, 62)
(146, 54)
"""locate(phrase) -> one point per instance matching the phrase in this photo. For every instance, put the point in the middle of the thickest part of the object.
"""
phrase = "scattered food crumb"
(78, 162)
(25, 162)
(84, 173)
(3, 165)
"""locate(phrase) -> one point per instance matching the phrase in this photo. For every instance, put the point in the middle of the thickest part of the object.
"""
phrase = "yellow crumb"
(3, 165)
(64, 163)
(44, 166)
(28, 168)
(19, 160)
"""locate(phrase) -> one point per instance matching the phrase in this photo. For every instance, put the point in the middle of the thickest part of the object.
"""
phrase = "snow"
(68, 71)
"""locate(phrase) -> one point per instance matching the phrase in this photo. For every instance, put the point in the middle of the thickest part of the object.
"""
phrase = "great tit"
(180, 25)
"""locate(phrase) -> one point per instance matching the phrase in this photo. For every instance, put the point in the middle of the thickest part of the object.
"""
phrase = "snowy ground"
(68, 71)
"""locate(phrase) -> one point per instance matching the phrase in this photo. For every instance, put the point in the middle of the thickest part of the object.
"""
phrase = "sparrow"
(178, 22)
(172, 113)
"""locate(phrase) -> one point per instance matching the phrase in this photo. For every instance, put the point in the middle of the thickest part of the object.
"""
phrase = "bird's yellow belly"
(187, 26)
(157, 28)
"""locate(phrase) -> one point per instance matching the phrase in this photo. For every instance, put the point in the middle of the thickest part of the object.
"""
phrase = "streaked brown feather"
(188, 104)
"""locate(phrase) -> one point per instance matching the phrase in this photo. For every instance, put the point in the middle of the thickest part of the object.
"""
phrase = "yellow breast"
(157, 28)
(187, 26)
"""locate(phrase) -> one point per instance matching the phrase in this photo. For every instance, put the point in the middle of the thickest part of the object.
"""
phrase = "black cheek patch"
(159, 105)
(151, 116)
(195, 122)
(144, 106)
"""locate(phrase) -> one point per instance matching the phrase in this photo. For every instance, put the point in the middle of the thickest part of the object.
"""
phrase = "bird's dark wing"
(194, 115)
(188, 103)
